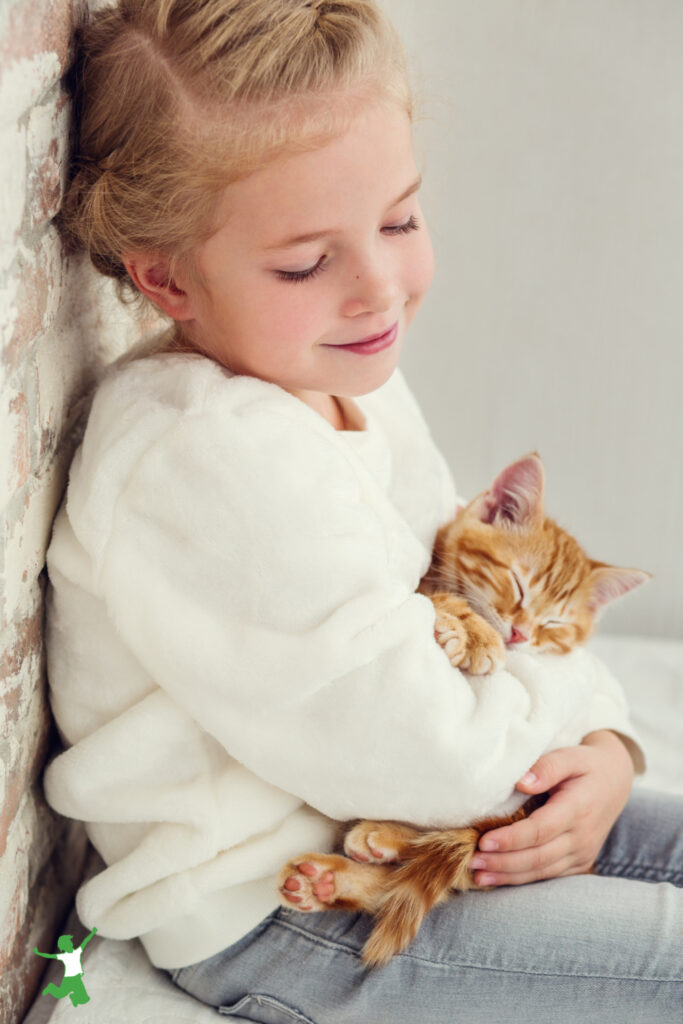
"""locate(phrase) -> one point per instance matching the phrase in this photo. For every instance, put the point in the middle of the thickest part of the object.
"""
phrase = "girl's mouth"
(374, 344)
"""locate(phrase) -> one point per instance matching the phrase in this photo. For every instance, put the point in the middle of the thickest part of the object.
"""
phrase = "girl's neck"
(329, 407)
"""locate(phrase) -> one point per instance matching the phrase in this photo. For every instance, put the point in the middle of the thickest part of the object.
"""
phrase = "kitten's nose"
(516, 636)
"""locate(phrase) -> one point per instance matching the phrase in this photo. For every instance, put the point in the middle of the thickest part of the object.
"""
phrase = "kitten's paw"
(485, 649)
(328, 881)
(372, 842)
(308, 883)
(450, 634)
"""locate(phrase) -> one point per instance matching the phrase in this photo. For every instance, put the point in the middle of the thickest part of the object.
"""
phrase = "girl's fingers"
(527, 863)
(564, 866)
(553, 768)
(541, 827)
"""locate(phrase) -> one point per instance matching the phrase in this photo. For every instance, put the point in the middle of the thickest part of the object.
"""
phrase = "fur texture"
(502, 574)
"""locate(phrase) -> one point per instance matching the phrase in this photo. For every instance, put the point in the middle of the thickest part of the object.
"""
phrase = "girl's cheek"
(295, 319)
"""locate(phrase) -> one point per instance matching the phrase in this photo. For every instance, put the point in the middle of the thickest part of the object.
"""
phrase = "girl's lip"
(373, 344)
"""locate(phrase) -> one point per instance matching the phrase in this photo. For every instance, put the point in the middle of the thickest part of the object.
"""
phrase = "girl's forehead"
(368, 166)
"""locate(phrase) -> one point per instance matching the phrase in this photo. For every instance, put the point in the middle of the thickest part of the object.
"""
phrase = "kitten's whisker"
(481, 606)
(447, 577)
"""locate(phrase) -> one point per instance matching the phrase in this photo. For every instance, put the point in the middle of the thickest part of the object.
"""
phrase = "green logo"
(72, 984)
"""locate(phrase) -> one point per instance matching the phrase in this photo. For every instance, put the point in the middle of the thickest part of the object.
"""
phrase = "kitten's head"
(520, 570)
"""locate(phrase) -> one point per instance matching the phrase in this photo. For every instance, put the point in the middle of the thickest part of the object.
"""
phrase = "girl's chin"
(375, 375)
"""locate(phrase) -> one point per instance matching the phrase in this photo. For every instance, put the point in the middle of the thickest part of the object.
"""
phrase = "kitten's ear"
(516, 495)
(607, 583)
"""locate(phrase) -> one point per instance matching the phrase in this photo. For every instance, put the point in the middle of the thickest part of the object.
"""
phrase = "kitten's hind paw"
(307, 884)
(378, 842)
(328, 881)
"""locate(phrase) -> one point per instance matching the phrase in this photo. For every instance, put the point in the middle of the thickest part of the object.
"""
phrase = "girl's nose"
(370, 291)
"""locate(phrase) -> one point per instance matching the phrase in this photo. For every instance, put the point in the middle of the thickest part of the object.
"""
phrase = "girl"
(237, 655)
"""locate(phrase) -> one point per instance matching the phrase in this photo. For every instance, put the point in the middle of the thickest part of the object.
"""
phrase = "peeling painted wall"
(59, 323)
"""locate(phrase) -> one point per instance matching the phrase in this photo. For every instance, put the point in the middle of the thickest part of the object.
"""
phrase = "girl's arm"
(48, 956)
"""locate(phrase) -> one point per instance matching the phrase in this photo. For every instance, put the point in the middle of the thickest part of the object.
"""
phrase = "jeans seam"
(629, 869)
(262, 998)
(340, 947)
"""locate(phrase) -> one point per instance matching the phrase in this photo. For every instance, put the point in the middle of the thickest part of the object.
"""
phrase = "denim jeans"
(604, 948)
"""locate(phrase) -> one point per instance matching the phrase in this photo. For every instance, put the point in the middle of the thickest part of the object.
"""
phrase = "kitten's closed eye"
(519, 589)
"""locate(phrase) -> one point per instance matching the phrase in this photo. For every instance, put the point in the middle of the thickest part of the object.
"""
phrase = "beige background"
(553, 158)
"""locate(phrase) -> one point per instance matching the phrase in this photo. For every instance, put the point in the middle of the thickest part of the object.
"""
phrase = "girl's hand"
(589, 786)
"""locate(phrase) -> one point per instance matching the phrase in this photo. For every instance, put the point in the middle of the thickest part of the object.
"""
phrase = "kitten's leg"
(435, 863)
(470, 642)
(328, 881)
(378, 842)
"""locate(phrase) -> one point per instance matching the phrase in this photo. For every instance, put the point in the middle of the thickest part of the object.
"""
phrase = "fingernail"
(486, 879)
(529, 779)
(477, 862)
(488, 844)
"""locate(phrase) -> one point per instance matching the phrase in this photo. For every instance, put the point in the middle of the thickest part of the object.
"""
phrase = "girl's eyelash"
(412, 224)
(305, 275)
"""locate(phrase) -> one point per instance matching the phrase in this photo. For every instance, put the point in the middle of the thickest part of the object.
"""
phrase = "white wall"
(553, 190)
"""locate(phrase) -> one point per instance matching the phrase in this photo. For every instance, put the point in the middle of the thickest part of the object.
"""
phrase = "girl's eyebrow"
(312, 236)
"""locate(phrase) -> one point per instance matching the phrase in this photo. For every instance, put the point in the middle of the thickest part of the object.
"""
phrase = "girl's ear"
(150, 274)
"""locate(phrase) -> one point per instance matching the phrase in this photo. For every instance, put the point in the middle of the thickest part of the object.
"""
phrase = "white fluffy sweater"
(237, 654)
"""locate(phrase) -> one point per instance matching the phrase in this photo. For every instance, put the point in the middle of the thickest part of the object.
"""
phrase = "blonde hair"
(176, 99)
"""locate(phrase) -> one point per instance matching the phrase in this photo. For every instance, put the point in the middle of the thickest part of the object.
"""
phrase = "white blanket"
(125, 989)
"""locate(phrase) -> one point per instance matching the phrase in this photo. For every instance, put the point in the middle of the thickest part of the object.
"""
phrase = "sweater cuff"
(602, 716)
(634, 749)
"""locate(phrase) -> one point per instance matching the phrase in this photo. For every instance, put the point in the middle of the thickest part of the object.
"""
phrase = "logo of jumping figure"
(72, 983)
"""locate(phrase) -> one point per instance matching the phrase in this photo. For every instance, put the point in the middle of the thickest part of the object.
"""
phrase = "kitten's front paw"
(450, 634)
(485, 648)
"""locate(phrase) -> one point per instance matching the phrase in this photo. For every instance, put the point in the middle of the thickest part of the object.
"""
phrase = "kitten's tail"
(434, 865)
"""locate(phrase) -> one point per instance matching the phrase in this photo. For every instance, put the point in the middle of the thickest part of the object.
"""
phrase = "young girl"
(237, 655)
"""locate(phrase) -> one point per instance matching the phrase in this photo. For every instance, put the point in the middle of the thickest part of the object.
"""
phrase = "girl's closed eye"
(303, 275)
(412, 224)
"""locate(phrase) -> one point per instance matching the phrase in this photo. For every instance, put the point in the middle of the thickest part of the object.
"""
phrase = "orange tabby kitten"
(502, 574)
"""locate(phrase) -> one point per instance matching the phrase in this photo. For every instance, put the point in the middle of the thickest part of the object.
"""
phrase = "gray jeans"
(604, 948)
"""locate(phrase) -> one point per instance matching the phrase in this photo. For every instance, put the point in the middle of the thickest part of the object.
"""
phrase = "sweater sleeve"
(253, 579)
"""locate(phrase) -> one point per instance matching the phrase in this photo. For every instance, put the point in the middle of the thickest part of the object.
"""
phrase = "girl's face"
(317, 251)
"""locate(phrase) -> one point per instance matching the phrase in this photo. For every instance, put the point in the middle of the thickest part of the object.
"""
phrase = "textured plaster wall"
(59, 323)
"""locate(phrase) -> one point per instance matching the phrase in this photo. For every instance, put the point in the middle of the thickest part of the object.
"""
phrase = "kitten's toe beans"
(323, 889)
(309, 883)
